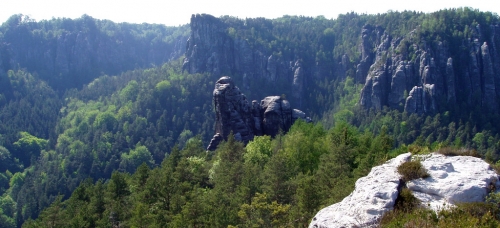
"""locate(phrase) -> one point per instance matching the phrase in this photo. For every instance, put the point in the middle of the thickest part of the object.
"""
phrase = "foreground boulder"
(452, 180)
(373, 195)
(233, 113)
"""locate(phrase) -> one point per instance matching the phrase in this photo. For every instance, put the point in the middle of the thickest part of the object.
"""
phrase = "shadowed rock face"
(233, 113)
(423, 78)
(212, 50)
(276, 115)
(390, 67)
(73, 56)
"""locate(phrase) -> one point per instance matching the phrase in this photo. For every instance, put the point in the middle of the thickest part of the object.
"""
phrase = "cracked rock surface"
(234, 113)
(373, 195)
(453, 179)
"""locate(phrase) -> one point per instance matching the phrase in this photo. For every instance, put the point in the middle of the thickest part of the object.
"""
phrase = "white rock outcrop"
(452, 179)
(372, 197)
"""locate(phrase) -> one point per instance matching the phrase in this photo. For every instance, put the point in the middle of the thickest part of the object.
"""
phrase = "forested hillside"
(69, 53)
(107, 123)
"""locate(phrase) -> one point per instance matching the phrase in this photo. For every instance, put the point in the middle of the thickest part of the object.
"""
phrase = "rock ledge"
(453, 179)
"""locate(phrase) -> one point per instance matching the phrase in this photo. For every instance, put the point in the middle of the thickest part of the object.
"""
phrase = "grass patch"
(412, 170)
(478, 214)
(496, 167)
(416, 149)
(406, 201)
(418, 218)
(450, 151)
(407, 208)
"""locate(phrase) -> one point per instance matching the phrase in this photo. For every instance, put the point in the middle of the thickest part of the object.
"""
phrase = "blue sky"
(178, 12)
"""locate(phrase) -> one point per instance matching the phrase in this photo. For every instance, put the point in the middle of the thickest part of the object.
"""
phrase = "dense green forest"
(115, 134)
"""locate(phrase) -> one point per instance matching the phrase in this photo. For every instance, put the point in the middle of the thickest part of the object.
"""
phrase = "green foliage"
(412, 170)
(118, 187)
(130, 45)
(7, 211)
(263, 184)
(133, 120)
(6, 221)
(304, 146)
(406, 201)
(449, 151)
(163, 86)
(139, 155)
(259, 150)
(130, 92)
(29, 145)
(464, 215)
(8, 162)
(261, 213)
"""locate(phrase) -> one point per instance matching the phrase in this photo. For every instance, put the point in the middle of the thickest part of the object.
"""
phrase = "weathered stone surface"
(399, 66)
(421, 99)
(430, 98)
(373, 195)
(414, 101)
(398, 86)
(257, 116)
(233, 113)
(298, 114)
(366, 93)
(277, 115)
(495, 58)
(298, 83)
(427, 68)
(369, 37)
(452, 180)
(272, 68)
(210, 48)
(215, 141)
(378, 84)
(389, 66)
(474, 68)
(450, 82)
(489, 93)
(374, 93)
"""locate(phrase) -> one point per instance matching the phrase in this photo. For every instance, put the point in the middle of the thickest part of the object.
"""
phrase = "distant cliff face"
(211, 49)
(70, 53)
(234, 114)
(414, 73)
(423, 78)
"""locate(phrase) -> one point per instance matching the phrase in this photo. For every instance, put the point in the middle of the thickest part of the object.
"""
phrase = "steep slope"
(240, 48)
(70, 53)
(418, 63)
(117, 123)
(234, 114)
(432, 76)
